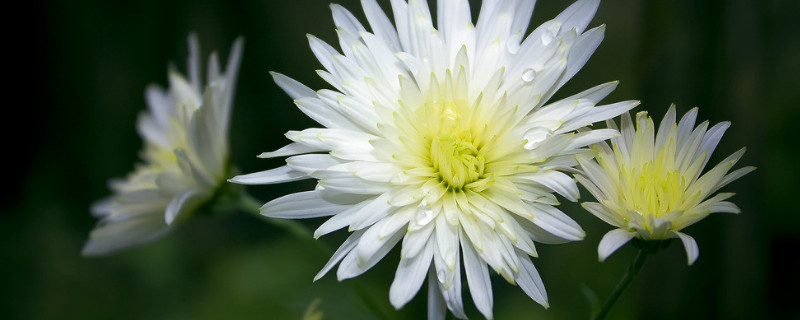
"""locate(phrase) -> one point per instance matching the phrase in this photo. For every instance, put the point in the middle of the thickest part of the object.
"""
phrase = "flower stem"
(646, 248)
(633, 269)
(299, 231)
(296, 229)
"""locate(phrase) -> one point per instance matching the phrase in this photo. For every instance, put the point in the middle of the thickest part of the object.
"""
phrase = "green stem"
(299, 231)
(250, 204)
(633, 269)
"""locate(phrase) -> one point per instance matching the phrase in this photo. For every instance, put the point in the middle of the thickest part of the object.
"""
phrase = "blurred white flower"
(648, 183)
(442, 138)
(185, 156)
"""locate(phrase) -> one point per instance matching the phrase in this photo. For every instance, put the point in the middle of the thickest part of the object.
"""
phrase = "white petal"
(578, 15)
(447, 280)
(109, 237)
(356, 263)
(437, 309)
(602, 212)
(416, 241)
(409, 276)
(692, 251)
(530, 282)
(599, 113)
(302, 205)
(558, 182)
(612, 241)
(380, 24)
(725, 206)
(102, 207)
(480, 286)
(277, 175)
(340, 253)
(581, 51)
(340, 220)
(183, 203)
(597, 93)
(556, 222)
(290, 150)
(308, 163)
(292, 87)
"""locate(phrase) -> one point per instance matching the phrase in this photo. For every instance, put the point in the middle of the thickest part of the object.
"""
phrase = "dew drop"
(528, 75)
(441, 276)
(424, 214)
(551, 32)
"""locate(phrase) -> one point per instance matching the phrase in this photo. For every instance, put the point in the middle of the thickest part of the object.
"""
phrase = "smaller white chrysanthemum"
(185, 156)
(648, 183)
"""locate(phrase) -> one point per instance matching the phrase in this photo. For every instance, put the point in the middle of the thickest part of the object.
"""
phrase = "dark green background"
(80, 69)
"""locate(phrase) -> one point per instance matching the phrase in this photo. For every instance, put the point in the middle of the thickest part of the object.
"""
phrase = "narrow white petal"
(323, 51)
(380, 24)
(340, 253)
(599, 113)
(292, 87)
(529, 280)
(736, 174)
(302, 205)
(416, 241)
(345, 20)
(578, 15)
(409, 276)
(340, 220)
(101, 207)
(602, 212)
(448, 281)
(725, 206)
(290, 150)
(581, 51)
(586, 138)
(437, 309)
(556, 222)
(369, 251)
(611, 241)
(183, 203)
(309, 163)
(277, 175)
(558, 182)
(480, 286)
(596, 93)
(692, 251)
(109, 237)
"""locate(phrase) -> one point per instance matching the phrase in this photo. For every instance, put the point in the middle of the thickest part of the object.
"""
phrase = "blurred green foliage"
(737, 60)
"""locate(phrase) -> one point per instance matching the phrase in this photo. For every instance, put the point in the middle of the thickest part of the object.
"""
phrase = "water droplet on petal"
(528, 75)
(424, 214)
(441, 276)
(551, 32)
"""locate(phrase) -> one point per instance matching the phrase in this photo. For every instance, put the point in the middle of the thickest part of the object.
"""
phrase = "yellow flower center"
(455, 155)
(457, 161)
(655, 191)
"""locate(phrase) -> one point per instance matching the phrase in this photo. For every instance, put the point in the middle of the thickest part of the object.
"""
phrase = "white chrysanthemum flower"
(185, 156)
(442, 138)
(649, 185)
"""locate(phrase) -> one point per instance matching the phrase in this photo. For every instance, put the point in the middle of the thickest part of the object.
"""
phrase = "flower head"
(648, 183)
(185, 157)
(442, 138)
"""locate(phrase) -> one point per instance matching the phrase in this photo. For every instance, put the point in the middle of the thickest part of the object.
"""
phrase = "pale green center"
(654, 189)
(455, 153)
(456, 159)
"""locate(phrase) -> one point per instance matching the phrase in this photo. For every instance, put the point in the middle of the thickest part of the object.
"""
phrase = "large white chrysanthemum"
(648, 183)
(442, 138)
(185, 156)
